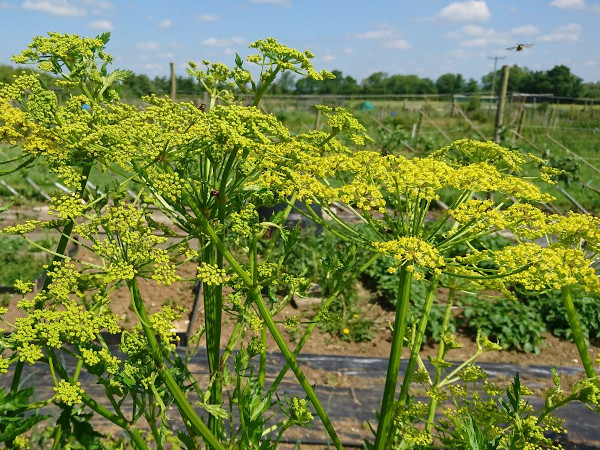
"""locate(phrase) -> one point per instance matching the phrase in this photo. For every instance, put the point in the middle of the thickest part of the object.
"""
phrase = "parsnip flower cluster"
(412, 252)
(130, 248)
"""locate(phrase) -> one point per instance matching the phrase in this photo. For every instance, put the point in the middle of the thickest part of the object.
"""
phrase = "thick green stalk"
(389, 393)
(578, 333)
(212, 321)
(184, 406)
(291, 361)
(416, 345)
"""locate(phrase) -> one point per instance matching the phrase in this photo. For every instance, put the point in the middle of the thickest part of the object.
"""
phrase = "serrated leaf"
(17, 427)
(15, 401)
(104, 37)
(217, 411)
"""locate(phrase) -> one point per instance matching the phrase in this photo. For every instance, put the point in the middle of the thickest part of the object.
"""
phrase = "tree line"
(558, 81)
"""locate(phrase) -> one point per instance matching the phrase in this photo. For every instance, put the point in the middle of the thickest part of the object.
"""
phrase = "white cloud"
(103, 25)
(205, 17)
(462, 11)
(216, 42)
(397, 44)
(150, 46)
(568, 4)
(384, 32)
(477, 36)
(348, 51)
(284, 3)
(569, 33)
(56, 7)
(595, 8)
(477, 42)
(525, 30)
(6, 5)
(165, 23)
(328, 58)
(99, 7)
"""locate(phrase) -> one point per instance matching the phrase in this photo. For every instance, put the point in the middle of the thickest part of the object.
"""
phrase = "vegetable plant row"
(208, 169)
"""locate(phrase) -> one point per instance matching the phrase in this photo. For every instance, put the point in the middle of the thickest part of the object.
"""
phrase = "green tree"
(409, 84)
(285, 84)
(590, 90)
(450, 83)
(375, 83)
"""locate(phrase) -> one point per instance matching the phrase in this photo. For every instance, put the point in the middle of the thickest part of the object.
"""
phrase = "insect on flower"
(519, 47)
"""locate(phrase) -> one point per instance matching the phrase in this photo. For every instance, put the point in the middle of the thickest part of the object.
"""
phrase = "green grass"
(19, 260)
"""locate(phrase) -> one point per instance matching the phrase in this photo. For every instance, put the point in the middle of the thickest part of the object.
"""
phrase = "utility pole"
(495, 58)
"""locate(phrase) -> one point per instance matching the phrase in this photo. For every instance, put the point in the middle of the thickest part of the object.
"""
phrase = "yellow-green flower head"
(67, 206)
(68, 393)
(299, 410)
(54, 327)
(4, 363)
(479, 215)
(469, 151)
(21, 228)
(131, 249)
(551, 267)
(163, 326)
(272, 53)
(211, 274)
(24, 286)
(342, 121)
(574, 229)
(526, 221)
(411, 252)
(58, 52)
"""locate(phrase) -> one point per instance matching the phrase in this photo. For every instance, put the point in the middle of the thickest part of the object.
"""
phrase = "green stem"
(262, 370)
(416, 346)
(291, 360)
(441, 353)
(184, 406)
(578, 333)
(389, 393)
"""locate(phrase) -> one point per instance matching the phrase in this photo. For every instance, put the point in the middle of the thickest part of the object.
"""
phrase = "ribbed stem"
(391, 379)
(582, 347)
(416, 346)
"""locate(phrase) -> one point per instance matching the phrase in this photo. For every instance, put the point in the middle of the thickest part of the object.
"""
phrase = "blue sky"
(423, 37)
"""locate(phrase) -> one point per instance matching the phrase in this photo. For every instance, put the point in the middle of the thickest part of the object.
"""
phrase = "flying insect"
(519, 47)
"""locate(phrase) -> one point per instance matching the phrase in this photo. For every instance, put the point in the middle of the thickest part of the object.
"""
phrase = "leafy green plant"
(20, 260)
(208, 170)
(513, 324)
(553, 312)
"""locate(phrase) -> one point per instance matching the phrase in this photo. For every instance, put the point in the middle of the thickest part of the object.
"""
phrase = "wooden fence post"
(501, 103)
(173, 81)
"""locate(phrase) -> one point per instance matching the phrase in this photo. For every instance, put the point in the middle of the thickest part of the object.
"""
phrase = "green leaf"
(15, 401)
(19, 425)
(104, 37)
(217, 411)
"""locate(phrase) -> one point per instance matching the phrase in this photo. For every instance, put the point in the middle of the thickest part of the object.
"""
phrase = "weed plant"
(208, 170)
